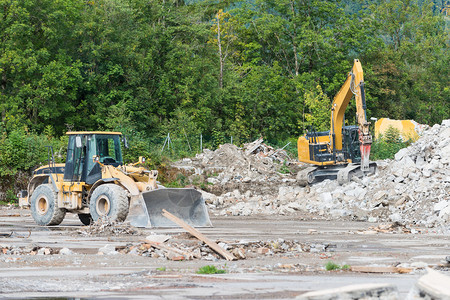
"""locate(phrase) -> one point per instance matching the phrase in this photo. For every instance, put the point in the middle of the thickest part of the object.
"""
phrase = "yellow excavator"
(95, 183)
(342, 152)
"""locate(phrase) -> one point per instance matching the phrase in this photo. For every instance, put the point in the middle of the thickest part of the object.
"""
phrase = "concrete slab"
(368, 291)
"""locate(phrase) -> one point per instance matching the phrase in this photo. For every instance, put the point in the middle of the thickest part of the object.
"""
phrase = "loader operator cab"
(83, 147)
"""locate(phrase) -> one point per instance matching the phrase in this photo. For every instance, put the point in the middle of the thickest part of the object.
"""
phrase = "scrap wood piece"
(251, 148)
(186, 254)
(380, 269)
(227, 255)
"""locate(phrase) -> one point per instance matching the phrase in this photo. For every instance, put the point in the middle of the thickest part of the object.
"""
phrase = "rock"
(263, 250)
(396, 217)
(108, 250)
(224, 245)
(213, 180)
(441, 205)
(401, 153)
(426, 173)
(295, 206)
(65, 251)
(419, 265)
(134, 251)
(174, 256)
(239, 253)
(158, 238)
(43, 251)
(444, 214)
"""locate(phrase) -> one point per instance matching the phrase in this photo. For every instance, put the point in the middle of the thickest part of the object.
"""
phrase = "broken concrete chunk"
(401, 153)
(263, 250)
(441, 205)
(158, 238)
(239, 253)
(434, 285)
(357, 291)
(43, 251)
(213, 180)
(108, 250)
(65, 251)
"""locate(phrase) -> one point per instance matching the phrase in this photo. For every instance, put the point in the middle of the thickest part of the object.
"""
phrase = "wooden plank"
(186, 254)
(373, 269)
(227, 255)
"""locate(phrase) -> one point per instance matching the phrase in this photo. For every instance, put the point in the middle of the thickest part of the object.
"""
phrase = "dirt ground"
(86, 274)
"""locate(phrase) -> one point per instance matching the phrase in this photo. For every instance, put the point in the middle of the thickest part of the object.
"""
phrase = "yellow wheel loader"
(342, 152)
(95, 183)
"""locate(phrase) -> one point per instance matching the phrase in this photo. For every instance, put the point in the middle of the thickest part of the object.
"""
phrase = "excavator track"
(306, 176)
(345, 175)
(341, 173)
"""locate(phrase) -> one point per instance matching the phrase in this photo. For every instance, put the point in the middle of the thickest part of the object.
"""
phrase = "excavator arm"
(354, 85)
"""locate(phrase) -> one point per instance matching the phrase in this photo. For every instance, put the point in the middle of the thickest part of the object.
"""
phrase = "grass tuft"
(210, 270)
(330, 266)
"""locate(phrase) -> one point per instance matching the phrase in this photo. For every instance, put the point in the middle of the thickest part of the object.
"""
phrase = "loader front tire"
(44, 209)
(86, 219)
(109, 200)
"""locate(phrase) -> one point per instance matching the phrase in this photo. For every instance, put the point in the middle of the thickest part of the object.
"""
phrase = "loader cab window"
(75, 159)
(108, 149)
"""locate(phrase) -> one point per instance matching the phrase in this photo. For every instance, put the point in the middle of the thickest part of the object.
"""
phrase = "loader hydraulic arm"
(354, 85)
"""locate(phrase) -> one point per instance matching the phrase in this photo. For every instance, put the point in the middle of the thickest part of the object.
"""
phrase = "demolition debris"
(411, 189)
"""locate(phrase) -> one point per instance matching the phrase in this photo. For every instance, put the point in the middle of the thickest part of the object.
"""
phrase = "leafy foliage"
(220, 69)
(386, 146)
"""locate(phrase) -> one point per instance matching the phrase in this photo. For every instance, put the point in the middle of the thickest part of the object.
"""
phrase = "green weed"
(162, 269)
(284, 169)
(210, 270)
(330, 266)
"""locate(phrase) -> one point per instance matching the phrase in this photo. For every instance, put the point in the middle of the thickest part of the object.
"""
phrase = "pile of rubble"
(182, 248)
(32, 250)
(247, 168)
(106, 227)
(413, 188)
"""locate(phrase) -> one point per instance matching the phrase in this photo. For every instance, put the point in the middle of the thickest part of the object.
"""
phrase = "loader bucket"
(186, 204)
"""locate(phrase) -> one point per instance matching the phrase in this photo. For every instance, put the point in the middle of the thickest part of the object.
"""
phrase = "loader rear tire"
(109, 200)
(44, 208)
(86, 219)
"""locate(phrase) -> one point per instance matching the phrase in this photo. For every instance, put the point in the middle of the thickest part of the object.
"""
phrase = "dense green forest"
(235, 68)
(216, 68)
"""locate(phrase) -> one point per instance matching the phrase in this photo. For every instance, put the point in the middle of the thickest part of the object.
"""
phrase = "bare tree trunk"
(219, 42)
(293, 39)
(3, 112)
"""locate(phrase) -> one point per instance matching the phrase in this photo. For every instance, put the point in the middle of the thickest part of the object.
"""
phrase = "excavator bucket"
(186, 204)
